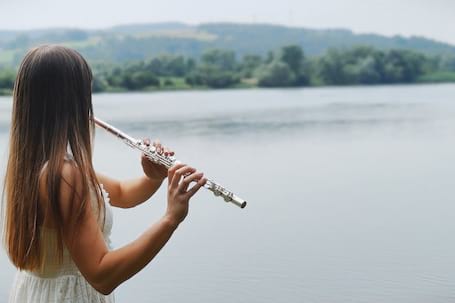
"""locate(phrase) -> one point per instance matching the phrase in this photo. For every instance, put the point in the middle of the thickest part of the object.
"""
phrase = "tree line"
(285, 67)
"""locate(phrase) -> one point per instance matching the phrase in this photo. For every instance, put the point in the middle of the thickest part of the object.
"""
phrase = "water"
(350, 194)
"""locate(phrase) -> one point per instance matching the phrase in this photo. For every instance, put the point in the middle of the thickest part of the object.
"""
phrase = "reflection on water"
(283, 121)
(265, 111)
(350, 193)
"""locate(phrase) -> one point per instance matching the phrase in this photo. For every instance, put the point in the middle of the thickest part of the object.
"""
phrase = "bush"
(99, 84)
(168, 82)
(276, 74)
(138, 80)
(213, 77)
(7, 78)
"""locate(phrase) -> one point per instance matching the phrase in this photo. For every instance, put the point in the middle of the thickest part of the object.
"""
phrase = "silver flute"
(168, 161)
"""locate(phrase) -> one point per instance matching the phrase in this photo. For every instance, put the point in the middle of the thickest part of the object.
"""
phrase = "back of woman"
(59, 280)
(58, 214)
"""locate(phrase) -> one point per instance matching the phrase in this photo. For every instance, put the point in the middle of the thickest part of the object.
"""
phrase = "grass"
(92, 41)
(176, 34)
(7, 57)
(437, 77)
(5, 92)
(174, 83)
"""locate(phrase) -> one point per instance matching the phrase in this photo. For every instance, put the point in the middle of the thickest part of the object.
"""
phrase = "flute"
(168, 161)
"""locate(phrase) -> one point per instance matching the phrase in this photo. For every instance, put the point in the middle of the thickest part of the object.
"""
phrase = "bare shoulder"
(70, 187)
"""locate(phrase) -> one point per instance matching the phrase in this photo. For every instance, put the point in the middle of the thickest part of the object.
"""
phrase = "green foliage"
(216, 70)
(402, 66)
(293, 56)
(447, 63)
(21, 41)
(132, 77)
(276, 74)
(364, 65)
(331, 68)
(7, 78)
(437, 77)
(99, 84)
(168, 82)
(220, 59)
(5, 92)
(213, 77)
(168, 65)
(139, 80)
(249, 64)
(146, 41)
(285, 67)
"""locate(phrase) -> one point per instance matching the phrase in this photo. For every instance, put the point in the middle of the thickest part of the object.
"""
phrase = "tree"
(447, 63)
(22, 41)
(250, 63)
(331, 68)
(99, 84)
(7, 78)
(168, 66)
(403, 66)
(365, 65)
(289, 62)
(368, 72)
(293, 56)
(276, 74)
(140, 80)
(75, 35)
(222, 59)
(213, 77)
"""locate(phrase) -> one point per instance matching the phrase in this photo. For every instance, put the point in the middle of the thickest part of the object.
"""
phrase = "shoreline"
(9, 93)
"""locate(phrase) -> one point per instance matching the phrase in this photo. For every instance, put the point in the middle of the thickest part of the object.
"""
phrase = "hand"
(153, 170)
(178, 195)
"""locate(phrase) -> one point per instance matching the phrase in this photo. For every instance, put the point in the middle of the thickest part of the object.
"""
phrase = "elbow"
(102, 279)
(104, 289)
(121, 203)
(101, 283)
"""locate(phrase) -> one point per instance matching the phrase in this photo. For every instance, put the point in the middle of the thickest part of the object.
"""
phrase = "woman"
(58, 217)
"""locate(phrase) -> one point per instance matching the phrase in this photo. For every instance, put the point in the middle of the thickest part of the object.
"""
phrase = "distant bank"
(134, 42)
(288, 66)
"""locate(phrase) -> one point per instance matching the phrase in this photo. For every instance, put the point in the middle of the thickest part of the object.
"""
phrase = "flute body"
(168, 161)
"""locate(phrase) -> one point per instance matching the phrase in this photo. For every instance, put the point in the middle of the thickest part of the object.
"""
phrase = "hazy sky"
(430, 18)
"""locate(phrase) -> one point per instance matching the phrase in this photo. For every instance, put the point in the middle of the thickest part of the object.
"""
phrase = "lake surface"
(351, 194)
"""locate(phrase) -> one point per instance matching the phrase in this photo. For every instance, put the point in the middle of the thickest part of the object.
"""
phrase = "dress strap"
(69, 157)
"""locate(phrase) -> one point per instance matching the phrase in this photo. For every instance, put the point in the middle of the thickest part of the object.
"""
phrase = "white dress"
(61, 282)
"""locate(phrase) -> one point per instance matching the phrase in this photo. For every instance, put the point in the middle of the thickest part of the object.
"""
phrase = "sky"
(429, 18)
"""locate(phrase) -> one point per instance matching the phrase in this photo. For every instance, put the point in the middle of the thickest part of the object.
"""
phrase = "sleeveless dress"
(61, 282)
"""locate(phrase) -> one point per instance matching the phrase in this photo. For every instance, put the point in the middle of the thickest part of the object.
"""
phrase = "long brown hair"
(52, 115)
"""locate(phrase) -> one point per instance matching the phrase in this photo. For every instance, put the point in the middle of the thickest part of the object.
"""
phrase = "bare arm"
(126, 194)
(105, 269)
(130, 193)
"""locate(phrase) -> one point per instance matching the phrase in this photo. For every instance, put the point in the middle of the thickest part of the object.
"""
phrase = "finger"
(146, 141)
(158, 146)
(183, 186)
(179, 173)
(144, 158)
(172, 170)
(196, 187)
(166, 151)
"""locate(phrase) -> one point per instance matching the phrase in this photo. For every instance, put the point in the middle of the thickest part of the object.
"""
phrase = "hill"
(142, 41)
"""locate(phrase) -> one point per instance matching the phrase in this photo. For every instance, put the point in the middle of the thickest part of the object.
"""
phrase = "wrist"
(170, 221)
(154, 180)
